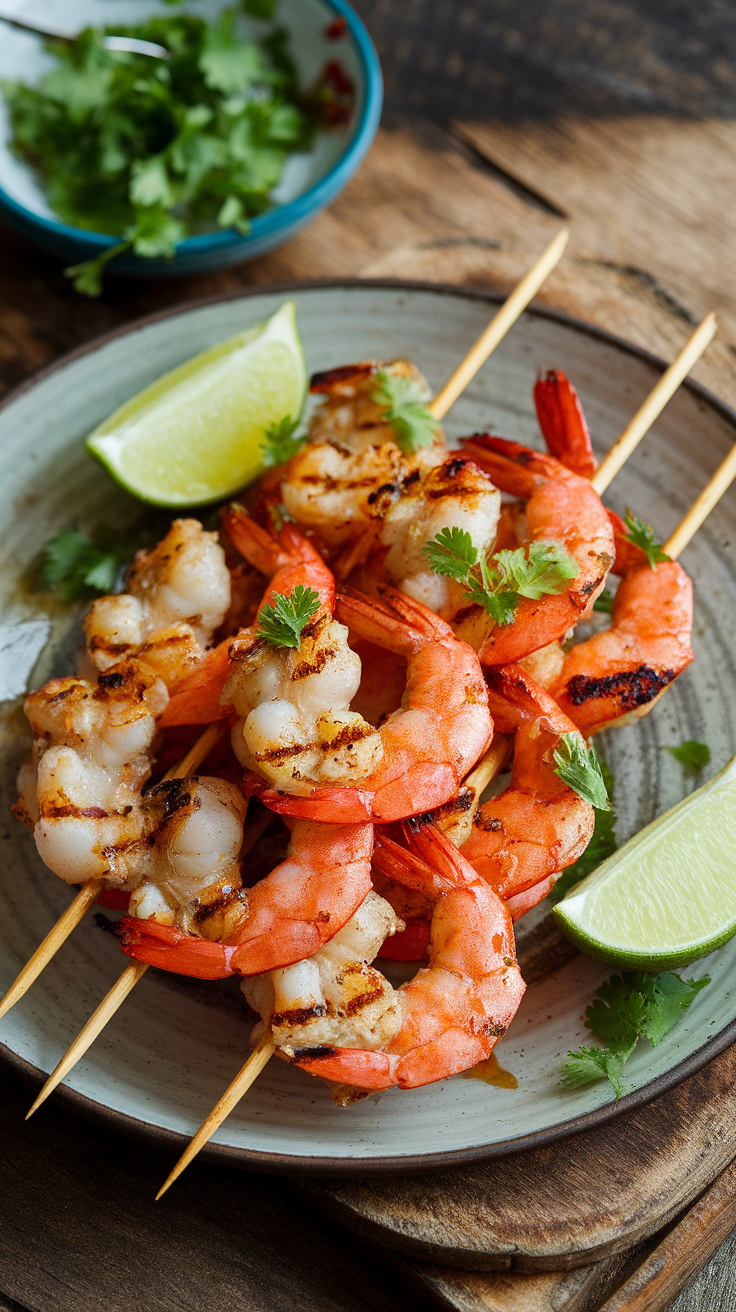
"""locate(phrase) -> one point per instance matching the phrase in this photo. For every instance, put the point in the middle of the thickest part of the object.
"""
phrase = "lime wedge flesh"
(668, 896)
(195, 435)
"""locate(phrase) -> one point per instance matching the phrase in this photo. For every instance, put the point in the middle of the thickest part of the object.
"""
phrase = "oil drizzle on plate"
(492, 1073)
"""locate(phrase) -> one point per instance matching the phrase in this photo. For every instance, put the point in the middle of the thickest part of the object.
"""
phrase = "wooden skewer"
(76, 911)
(700, 509)
(504, 319)
(655, 403)
(97, 1022)
(230, 1098)
(456, 821)
(89, 892)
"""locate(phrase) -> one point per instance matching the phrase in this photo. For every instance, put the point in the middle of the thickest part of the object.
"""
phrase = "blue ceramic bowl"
(310, 181)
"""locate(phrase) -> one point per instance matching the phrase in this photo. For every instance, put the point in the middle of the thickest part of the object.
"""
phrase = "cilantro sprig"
(281, 622)
(691, 754)
(578, 767)
(629, 1007)
(642, 535)
(150, 150)
(604, 602)
(75, 565)
(499, 583)
(281, 442)
(406, 410)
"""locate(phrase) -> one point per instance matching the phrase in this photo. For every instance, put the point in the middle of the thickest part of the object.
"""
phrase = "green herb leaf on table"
(629, 1007)
(691, 754)
(280, 441)
(281, 622)
(498, 584)
(604, 602)
(578, 766)
(147, 150)
(642, 535)
(76, 566)
(406, 410)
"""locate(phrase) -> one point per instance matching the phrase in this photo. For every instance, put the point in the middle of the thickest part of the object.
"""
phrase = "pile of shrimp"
(351, 751)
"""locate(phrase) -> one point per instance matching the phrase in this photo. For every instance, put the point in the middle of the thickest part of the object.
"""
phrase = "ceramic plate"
(175, 1044)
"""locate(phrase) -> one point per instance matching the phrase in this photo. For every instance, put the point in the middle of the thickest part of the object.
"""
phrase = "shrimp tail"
(170, 949)
(343, 806)
(195, 699)
(563, 424)
(370, 1071)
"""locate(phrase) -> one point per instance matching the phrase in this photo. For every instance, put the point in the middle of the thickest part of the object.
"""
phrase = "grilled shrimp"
(176, 597)
(335, 996)
(455, 1009)
(620, 673)
(538, 825)
(81, 791)
(188, 865)
(561, 507)
(288, 915)
(431, 742)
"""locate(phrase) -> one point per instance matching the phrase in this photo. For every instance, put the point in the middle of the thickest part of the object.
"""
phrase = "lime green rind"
(668, 896)
(194, 436)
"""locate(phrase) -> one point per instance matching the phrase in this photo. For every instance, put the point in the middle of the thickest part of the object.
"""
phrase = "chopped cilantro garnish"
(642, 535)
(579, 768)
(629, 1007)
(76, 566)
(497, 584)
(150, 150)
(280, 443)
(281, 623)
(406, 410)
(691, 754)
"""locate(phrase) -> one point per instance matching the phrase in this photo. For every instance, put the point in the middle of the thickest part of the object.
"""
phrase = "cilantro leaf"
(691, 754)
(452, 553)
(544, 571)
(588, 1064)
(642, 535)
(280, 443)
(627, 1008)
(406, 410)
(259, 8)
(87, 277)
(498, 584)
(580, 769)
(604, 602)
(75, 566)
(281, 623)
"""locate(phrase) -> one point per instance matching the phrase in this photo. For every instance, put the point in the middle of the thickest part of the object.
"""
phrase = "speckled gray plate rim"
(394, 1136)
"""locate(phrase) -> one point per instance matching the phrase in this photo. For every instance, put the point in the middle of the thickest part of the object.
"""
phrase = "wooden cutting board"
(570, 1205)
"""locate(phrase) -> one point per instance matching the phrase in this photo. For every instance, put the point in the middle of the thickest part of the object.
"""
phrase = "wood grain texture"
(559, 1207)
(685, 1249)
(80, 1232)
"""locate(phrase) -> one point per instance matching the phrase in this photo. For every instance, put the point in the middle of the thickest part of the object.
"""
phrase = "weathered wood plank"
(559, 1207)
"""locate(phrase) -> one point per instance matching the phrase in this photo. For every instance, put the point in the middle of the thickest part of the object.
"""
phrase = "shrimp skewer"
(432, 741)
(455, 1009)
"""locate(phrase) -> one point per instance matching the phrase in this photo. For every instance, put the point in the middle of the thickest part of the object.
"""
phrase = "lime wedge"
(195, 435)
(668, 896)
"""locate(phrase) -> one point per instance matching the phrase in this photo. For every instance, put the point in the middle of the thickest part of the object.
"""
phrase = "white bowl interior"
(23, 58)
(175, 1044)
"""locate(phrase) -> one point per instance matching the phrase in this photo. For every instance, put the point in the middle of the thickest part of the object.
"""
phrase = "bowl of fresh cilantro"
(254, 120)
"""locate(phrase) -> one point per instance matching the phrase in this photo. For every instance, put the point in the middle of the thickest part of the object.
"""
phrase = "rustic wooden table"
(501, 119)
